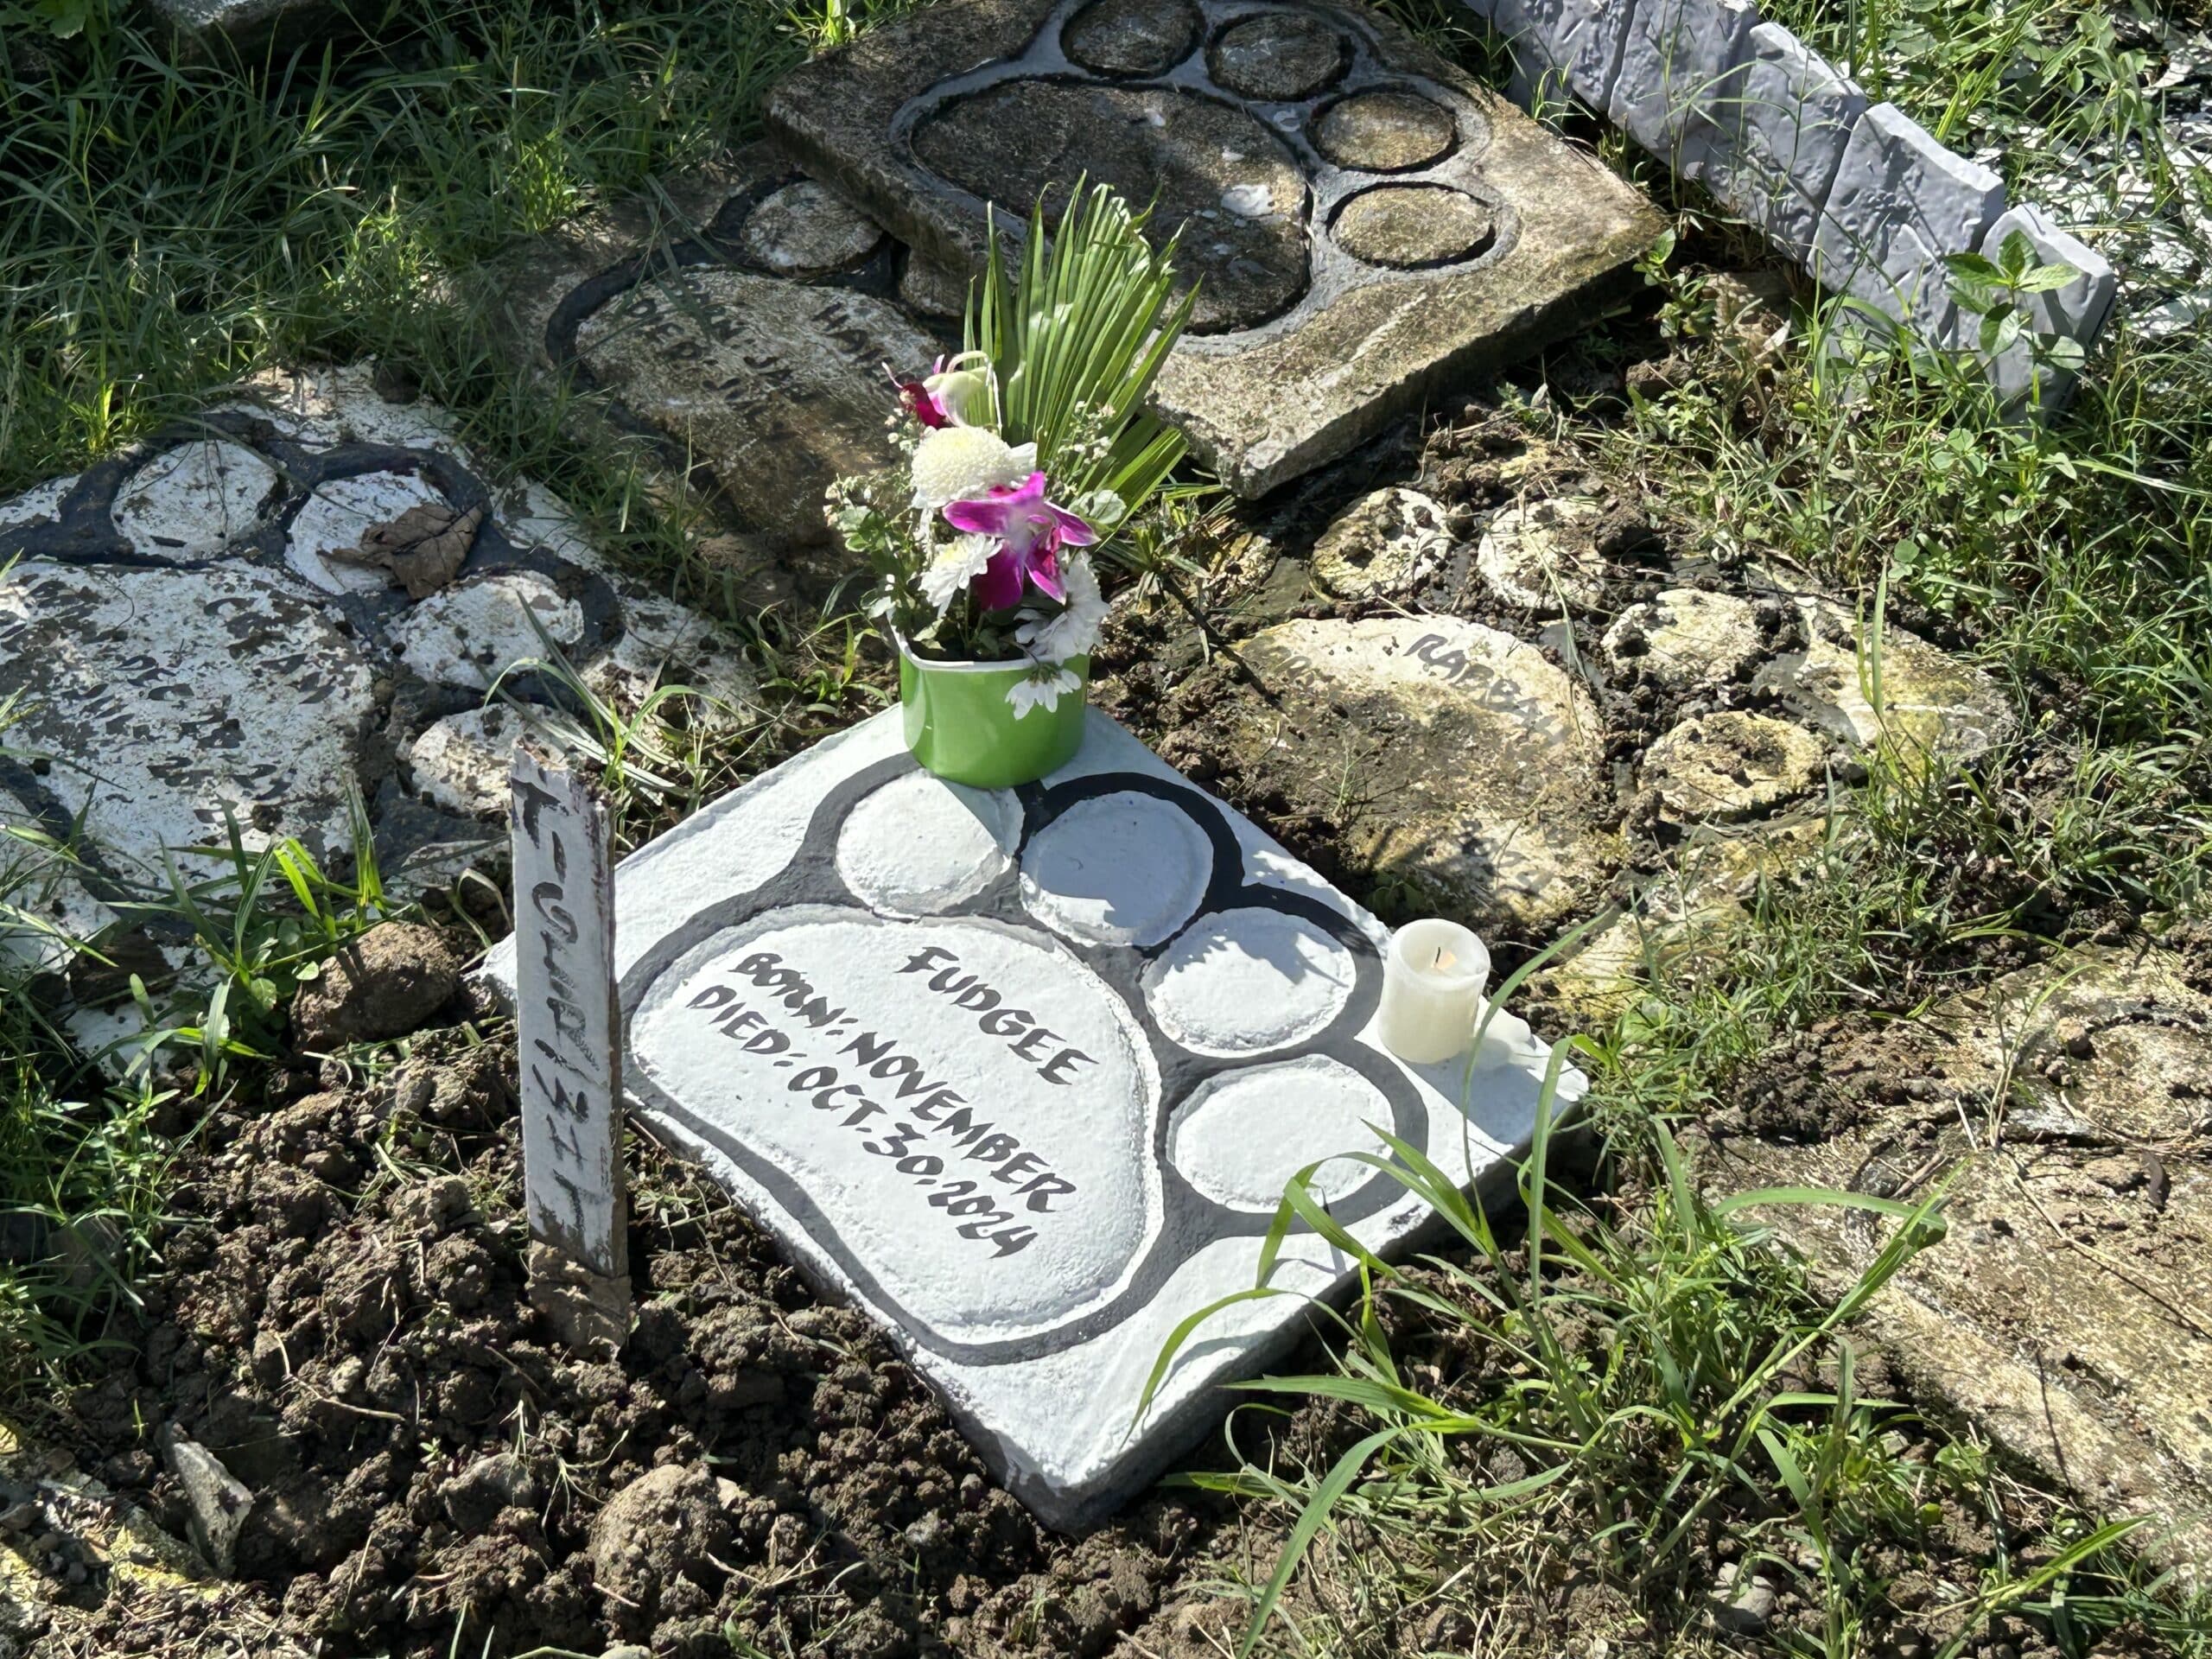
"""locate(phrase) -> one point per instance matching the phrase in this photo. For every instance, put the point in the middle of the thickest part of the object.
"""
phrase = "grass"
(1632, 1383)
(80, 1183)
(1616, 1400)
(172, 227)
(1550, 1434)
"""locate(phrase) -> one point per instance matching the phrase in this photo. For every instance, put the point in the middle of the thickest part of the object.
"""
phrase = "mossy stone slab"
(1260, 131)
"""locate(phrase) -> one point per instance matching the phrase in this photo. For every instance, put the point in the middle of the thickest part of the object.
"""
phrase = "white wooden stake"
(569, 1034)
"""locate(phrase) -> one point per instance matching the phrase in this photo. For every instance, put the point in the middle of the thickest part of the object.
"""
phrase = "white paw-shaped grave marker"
(1025, 1072)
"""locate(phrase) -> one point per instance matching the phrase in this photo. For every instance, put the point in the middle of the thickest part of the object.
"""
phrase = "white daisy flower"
(958, 562)
(953, 463)
(1075, 630)
(1041, 689)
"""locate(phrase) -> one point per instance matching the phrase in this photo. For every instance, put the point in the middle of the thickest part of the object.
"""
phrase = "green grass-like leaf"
(1077, 333)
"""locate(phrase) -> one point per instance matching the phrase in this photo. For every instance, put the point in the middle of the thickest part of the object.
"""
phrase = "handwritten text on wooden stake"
(566, 1011)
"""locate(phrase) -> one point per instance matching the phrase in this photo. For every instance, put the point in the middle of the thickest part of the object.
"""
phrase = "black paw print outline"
(1189, 1219)
(1331, 186)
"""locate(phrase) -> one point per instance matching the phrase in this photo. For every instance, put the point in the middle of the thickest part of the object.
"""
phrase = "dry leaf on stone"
(425, 548)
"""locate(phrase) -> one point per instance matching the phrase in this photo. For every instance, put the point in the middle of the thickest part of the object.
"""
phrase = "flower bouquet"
(1023, 458)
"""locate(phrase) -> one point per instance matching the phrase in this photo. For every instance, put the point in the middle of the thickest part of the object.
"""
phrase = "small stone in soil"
(219, 1501)
(473, 1498)
(384, 984)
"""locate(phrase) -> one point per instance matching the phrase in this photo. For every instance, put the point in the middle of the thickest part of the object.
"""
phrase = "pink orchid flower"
(944, 395)
(1033, 530)
(921, 402)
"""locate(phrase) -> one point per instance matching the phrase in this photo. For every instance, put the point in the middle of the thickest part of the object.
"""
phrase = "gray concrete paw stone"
(1023, 1073)
(1932, 705)
(1447, 758)
(1537, 555)
(1364, 223)
(1686, 640)
(247, 31)
(2062, 1311)
(1383, 542)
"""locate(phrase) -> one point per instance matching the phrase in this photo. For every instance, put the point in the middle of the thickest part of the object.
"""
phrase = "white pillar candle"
(1433, 974)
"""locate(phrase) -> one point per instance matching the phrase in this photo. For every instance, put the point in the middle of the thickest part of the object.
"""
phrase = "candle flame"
(1443, 957)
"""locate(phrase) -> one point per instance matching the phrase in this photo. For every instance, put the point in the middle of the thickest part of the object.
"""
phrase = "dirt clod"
(659, 1548)
(384, 984)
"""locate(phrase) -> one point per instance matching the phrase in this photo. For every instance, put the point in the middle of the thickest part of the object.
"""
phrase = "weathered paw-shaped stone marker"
(1453, 760)
(301, 595)
(1731, 765)
(161, 700)
(740, 319)
(1364, 222)
(1023, 1073)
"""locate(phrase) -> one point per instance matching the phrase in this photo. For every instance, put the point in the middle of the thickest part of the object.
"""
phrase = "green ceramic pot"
(961, 726)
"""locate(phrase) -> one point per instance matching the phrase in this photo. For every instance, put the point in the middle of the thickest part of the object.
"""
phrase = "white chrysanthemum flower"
(958, 562)
(1075, 630)
(1042, 688)
(953, 463)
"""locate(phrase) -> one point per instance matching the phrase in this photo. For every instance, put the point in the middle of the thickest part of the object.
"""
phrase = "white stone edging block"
(1899, 204)
(1858, 194)
(1575, 45)
(2076, 311)
(1682, 72)
(1784, 140)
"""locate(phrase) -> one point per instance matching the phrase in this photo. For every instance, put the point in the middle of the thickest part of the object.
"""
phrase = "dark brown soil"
(340, 1318)
(431, 1476)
